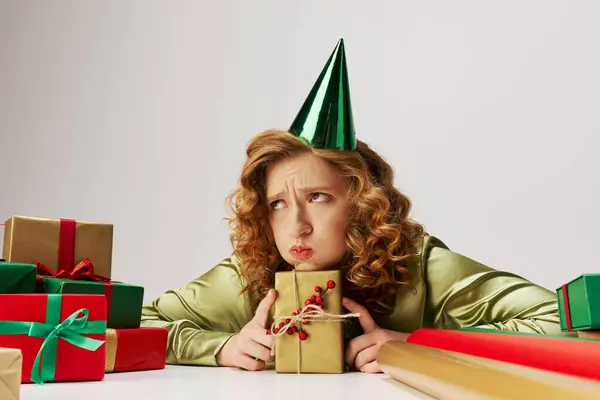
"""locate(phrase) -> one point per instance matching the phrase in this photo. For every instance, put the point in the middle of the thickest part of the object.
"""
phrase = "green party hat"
(325, 119)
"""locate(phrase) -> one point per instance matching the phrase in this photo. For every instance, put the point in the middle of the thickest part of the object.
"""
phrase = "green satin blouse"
(449, 291)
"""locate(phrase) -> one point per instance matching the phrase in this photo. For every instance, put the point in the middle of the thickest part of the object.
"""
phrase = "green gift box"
(579, 303)
(123, 301)
(17, 277)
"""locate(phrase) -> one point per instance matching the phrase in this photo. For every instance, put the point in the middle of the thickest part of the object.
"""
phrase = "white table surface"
(206, 383)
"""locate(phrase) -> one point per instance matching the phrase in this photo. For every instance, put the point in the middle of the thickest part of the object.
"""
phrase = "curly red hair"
(381, 237)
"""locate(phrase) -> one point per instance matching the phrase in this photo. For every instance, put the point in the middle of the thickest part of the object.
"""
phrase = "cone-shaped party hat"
(325, 120)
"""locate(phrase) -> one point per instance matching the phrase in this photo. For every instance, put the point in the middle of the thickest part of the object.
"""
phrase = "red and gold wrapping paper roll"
(572, 356)
(444, 374)
(136, 349)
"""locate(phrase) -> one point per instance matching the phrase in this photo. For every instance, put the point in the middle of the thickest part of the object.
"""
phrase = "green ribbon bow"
(71, 329)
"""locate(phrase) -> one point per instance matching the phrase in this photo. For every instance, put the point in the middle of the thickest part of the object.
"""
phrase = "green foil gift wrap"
(579, 303)
(123, 301)
(17, 277)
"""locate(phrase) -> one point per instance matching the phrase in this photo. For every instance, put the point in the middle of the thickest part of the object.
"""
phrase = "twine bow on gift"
(71, 330)
(311, 313)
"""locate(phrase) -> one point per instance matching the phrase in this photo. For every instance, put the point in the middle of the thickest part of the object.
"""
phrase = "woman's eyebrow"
(310, 189)
(274, 197)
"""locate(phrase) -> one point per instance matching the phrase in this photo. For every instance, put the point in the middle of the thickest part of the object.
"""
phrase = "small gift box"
(592, 335)
(308, 322)
(123, 301)
(17, 277)
(58, 243)
(136, 349)
(61, 337)
(11, 361)
(579, 303)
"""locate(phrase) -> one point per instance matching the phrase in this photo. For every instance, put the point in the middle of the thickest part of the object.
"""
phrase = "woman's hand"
(361, 353)
(251, 348)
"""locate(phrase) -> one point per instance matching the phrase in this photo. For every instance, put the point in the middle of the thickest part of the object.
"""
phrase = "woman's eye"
(276, 204)
(319, 197)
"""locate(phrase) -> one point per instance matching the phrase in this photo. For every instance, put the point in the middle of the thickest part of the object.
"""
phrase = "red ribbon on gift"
(66, 245)
(84, 271)
(567, 308)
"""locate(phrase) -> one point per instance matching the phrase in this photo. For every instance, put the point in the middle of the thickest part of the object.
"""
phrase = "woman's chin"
(311, 266)
(306, 266)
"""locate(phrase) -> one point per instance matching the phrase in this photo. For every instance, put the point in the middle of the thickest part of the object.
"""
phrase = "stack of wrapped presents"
(62, 317)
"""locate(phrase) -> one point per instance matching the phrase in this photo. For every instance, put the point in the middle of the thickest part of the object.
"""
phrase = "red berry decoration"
(317, 299)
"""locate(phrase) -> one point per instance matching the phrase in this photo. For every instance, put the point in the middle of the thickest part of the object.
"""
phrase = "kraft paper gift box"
(314, 344)
(17, 277)
(11, 361)
(58, 243)
(61, 337)
(579, 303)
(136, 349)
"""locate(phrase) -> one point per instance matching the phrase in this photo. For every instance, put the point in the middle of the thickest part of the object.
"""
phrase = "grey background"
(138, 113)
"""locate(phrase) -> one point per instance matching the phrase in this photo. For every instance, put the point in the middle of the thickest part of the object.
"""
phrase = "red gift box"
(136, 349)
(571, 356)
(61, 337)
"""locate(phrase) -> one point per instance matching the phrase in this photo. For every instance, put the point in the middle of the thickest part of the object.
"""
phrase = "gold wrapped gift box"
(322, 350)
(589, 334)
(11, 362)
(32, 239)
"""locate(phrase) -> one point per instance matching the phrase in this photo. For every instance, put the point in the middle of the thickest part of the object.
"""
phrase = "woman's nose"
(304, 229)
(302, 225)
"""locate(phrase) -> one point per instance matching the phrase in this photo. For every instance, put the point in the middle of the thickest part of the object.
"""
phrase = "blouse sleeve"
(200, 316)
(465, 293)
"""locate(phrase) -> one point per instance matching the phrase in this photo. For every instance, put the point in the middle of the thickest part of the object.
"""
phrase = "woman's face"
(308, 211)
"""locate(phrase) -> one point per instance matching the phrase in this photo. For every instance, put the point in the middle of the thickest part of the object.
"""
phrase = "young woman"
(314, 197)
